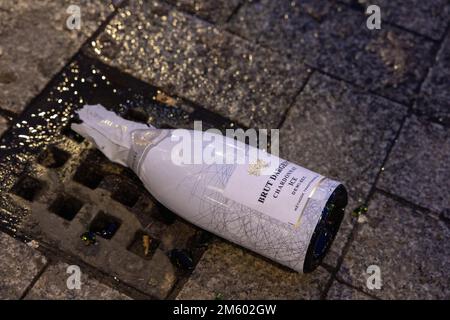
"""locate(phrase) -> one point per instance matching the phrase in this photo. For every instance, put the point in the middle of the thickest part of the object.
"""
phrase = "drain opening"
(127, 96)
(66, 207)
(162, 214)
(143, 245)
(96, 156)
(53, 157)
(88, 176)
(27, 187)
(72, 135)
(105, 225)
(135, 114)
(126, 194)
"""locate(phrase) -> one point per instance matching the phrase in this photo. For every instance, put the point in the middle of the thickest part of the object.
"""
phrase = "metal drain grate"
(66, 206)
(56, 187)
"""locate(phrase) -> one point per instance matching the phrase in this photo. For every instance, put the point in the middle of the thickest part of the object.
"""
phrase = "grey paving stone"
(52, 285)
(195, 60)
(19, 265)
(342, 132)
(229, 272)
(434, 99)
(195, 290)
(3, 125)
(410, 247)
(334, 254)
(35, 43)
(418, 169)
(217, 11)
(283, 25)
(335, 39)
(428, 18)
(446, 214)
(341, 291)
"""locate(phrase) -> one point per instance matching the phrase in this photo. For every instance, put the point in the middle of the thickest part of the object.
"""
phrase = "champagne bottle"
(271, 206)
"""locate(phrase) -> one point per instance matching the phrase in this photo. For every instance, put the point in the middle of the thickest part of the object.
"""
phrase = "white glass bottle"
(273, 207)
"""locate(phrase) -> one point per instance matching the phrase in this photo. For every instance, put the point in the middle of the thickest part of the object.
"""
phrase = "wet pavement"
(367, 107)
(35, 44)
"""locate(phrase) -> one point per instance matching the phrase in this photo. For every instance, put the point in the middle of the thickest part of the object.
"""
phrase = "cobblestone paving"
(434, 97)
(367, 107)
(410, 247)
(353, 129)
(334, 39)
(35, 44)
(19, 265)
(341, 291)
(214, 11)
(428, 18)
(233, 273)
(53, 285)
(418, 169)
(200, 62)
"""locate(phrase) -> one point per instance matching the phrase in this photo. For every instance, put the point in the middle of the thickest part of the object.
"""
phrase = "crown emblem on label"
(254, 169)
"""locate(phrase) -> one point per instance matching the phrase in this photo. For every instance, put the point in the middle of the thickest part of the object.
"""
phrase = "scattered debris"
(360, 211)
(362, 219)
(89, 238)
(33, 244)
(166, 99)
(146, 241)
(105, 225)
(219, 296)
(109, 230)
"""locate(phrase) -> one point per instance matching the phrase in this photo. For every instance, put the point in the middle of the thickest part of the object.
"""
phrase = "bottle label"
(281, 191)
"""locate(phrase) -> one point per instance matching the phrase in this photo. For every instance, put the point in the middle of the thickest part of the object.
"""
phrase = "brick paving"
(407, 244)
(20, 265)
(228, 271)
(35, 44)
(195, 60)
(353, 129)
(52, 284)
(433, 99)
(334, 39)
(368, 107)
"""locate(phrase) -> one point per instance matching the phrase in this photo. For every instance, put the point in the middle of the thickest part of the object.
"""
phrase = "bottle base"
(326, 229)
